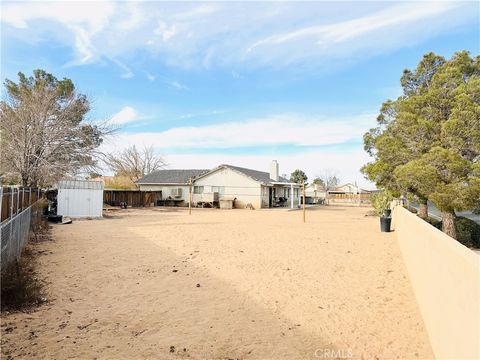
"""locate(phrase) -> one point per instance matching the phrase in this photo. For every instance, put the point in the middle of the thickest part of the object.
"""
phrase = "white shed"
(79, 198)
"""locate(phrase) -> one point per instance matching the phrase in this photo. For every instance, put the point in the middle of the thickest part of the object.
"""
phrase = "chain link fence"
(16, 217)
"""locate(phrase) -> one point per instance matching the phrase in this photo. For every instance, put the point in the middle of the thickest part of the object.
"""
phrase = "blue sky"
(208, 83)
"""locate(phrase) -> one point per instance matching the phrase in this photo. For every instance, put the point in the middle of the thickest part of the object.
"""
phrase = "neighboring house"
(349, 194)
(349, 188)
(226, 182)
(174, 184)
(314, 194)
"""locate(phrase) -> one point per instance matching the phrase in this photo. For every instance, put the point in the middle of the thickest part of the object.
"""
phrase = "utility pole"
(190, 196)
(303, 201)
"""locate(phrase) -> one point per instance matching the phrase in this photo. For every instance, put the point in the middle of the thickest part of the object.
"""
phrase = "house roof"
(260, 176)
(80, 184)
(339, 188)
(171, 176)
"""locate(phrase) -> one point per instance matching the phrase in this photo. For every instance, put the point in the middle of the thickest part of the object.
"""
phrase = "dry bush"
(39, 227)
(21, 289)
(120, 183)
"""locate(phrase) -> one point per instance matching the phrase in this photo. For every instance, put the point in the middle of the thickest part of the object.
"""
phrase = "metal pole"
(18, 200)
(190, 196)
(303, 202)
(11, 203)
(291, 196)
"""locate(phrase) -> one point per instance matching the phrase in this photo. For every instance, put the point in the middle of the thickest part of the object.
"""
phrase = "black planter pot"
(55, 218)
(387, 212)
(385, 224)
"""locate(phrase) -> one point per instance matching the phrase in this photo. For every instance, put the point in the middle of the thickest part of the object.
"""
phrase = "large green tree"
(403, 134)
(428, 140)
(44, 134)
(298, 176)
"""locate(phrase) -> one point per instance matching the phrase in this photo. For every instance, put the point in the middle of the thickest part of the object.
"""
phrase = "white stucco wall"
(246, 190)
(310, 191)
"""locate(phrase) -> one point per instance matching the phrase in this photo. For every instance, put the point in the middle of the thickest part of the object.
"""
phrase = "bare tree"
(134, 163)
(329, 180)
(44, 135)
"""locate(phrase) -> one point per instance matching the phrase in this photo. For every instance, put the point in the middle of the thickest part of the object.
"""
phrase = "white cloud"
(285, 129)
(126, 115)
(149, 76)
(177, 85)
(253, 34)
(83, 19)
(164, 31)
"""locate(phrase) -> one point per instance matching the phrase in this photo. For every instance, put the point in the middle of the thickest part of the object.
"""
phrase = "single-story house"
(314, 194)
(247, 187)
(349, 188)
(349, 194)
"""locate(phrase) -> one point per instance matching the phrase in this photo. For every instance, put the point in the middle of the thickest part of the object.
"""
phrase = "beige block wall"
(246, 190)
(445, 276)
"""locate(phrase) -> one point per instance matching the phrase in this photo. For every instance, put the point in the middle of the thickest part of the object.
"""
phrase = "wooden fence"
(16, 214)
(133, 198)
(16, 199)
(353, 199)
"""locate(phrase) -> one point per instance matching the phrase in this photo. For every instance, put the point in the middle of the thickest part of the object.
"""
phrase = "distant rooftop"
(171, 176)
(260, 176)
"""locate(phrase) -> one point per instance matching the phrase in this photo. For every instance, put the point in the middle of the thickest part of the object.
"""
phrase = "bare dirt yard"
(222, 284)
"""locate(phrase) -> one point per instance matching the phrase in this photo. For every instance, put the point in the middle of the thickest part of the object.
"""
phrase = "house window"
(176, 192)
(219, 189)
(198, 189)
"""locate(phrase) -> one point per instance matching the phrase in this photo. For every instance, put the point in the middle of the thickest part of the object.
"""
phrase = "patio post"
(291, 196)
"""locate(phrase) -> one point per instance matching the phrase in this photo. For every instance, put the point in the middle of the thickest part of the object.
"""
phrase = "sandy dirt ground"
(222, 284)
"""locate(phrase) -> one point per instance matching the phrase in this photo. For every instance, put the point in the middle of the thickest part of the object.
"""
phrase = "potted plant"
(381, 204)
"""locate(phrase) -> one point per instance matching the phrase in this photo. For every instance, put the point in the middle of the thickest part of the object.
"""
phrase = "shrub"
(21, 288)
(468, 232)
(434, 222)
(381, 201)
(411, 209)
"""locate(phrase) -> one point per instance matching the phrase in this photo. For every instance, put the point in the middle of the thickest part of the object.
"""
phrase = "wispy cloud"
(249, 34)
(177, 85)
(149, 76)
(331, 34)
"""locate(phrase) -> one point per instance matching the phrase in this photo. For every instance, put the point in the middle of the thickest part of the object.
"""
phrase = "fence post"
(29, 196)
(1, 204)
(11, 203)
